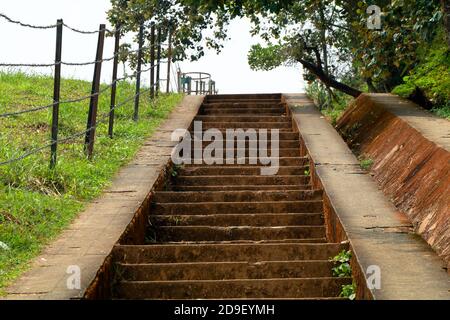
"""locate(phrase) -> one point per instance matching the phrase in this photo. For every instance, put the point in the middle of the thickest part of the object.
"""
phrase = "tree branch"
(328, 81)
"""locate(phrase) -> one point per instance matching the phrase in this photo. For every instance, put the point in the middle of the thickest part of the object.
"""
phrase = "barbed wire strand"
(26, 24)
(76, 135)
(52, 26)
(37, 65)
(76, 30)
(10, 114)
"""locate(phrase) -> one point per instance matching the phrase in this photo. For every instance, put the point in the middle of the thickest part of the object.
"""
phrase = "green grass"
(338, 105)
(37, 203)
(365, 164)
(432, 76)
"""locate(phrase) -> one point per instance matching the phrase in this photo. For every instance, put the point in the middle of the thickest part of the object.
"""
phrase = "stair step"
(283, 134)
(244, 104)
(244, 96)
(226, 289)
(246, 152)
(230, 103)
(254, 144)
(236, 111)
(247, 125)
(243, 155)
(241, 180)
(230, 233)
(183, 208)
(243, 118)
(225, 252)
(225, 270)
(283, 162)
(238, 170)
(150, 241)
(236, 196)
(242, 187)
(260, 219)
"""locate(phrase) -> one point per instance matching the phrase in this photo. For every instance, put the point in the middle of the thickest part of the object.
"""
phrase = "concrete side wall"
(410, 151)
(358, 212)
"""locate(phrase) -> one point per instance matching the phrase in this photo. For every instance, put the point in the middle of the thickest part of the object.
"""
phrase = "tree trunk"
(446, 18)
(323, 35)
(328, 81)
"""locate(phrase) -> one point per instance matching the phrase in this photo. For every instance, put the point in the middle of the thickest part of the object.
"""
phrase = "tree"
(307, 33)
(329, 38)
(446, 18)
(186, 19)
(381, 57)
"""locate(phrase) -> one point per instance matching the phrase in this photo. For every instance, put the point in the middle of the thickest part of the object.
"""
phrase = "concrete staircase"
(227, 232)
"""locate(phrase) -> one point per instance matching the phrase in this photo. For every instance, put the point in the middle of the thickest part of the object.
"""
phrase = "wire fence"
(93, 122)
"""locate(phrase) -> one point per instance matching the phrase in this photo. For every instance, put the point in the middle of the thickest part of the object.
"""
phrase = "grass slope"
(36, 203)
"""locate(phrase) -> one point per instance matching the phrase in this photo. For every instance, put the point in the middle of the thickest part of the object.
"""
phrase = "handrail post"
(92, 117)
(56, 93)
(152, 61)
(169, 61)
(138, 74)
(179, 81)
(114, 83)
(158, 59)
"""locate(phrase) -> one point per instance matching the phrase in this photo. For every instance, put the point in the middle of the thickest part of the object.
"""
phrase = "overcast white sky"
(23, 45)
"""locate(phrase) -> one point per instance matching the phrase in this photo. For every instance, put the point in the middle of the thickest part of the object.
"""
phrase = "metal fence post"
(158, 59)
(114, 83)
(138, 74)
(152, 62)
(169, 61)
(92, 117)
(179, 81)
(56, 93)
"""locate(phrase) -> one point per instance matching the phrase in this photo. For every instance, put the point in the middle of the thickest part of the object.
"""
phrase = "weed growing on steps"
(307, 173)
(175, 170)
(343, 269)
(366, 164)
(349, 291)
(342, 264)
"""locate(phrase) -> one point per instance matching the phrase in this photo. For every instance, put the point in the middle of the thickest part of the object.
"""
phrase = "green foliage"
(366, 164)
(318, 93)
(187, 19)
(342, 266)
(343, 269)
(36, 203)
(443, 112)
(431, 75)
(348, 291)
(175, 170)
(386, 55)
(330, 38)
(267, 58)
